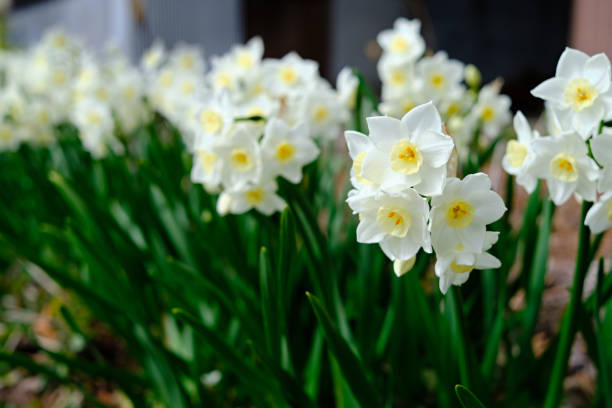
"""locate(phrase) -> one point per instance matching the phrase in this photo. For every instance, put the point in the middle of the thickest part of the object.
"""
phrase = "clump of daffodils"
(575, 157)
(56, 82)
(410, 78)
(247, 120)
(406, 201)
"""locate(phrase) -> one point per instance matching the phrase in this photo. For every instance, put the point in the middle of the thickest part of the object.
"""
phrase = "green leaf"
(351, 367)
(467, 398)
(269, 304)
(602, 366)
(537, 274)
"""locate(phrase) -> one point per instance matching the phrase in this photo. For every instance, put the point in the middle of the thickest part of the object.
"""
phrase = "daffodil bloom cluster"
(575, 158)
(57, 81)
(410, 78)
(247, 120)
(406, 202)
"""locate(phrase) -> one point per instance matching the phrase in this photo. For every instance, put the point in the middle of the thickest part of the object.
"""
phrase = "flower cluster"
(247, 120)
(406, 202)
(409, 79)
(576, 156)
(57, 81)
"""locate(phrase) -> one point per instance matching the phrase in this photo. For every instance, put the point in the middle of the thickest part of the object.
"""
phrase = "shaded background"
(518, 40)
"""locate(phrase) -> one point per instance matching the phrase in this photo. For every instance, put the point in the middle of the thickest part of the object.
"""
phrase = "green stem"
(460, 335)
(568, 328)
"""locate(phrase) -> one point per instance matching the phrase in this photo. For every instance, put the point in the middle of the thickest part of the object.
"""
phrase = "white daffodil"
(454, 267)
(346, 87)
(153, 57)
(323, 111)
(599, 217)
(242, 158)
(187, 59)
(398, 79)
(289, 74)
(492, 110)
(580, 89)
(10, 138)
(285, 150)
(213, 119)
(460, 214)
(207, 167)
(224, 75)
(247, 57)
(411, 152)
(563, 161)
(601, 146)
(556, 121)
(440, 76)
(397, 221)
(404, 41)
(520, 156)
(262, 197)
(358, 146)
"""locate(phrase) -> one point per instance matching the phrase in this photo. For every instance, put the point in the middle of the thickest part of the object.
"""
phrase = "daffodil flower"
(580, 89)
(564, 163)
(520, 156)
(412, 152)
(397, 221)
(460, 214)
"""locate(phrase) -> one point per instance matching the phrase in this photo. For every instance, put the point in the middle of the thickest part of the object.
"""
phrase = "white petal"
(384, 131)
(560, 191)
(435, 147)
(487, 261)
(399, 248)
(597, 218)
(601, 146)
(605, 180)
(522, 128)
(421, 118)
(432, 180)
(368, 231)
(472, 237)
(586, 121)
(551, 90)
(356, 142)
(571, 63)
(597, 71)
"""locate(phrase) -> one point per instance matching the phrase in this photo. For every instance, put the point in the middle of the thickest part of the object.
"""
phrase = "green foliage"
(189, 292)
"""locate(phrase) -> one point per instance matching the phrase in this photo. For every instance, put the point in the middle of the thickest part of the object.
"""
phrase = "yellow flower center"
(358, 169)
(94, 118)
(405, 157)
(285, 152)
(398, 78)
(288, 75)
(563, 167)
(102, 94)
(453, 109)
(407, 105)
(5, 134)
(254, 197)
(224, 80)
(59, 41)
(516, 153)
(211, 121)
(128, 93)
(207, 160)
(459, 214)
(487, 114)
(188, 87)
(580, 94)
(59, 77)
(399, 45)
(458, 268)
(43, 117)
(320, 114)
(240, 160)
(394, 221)
(166, 79)
(437, 80)
(244, 60)
(187, 62)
